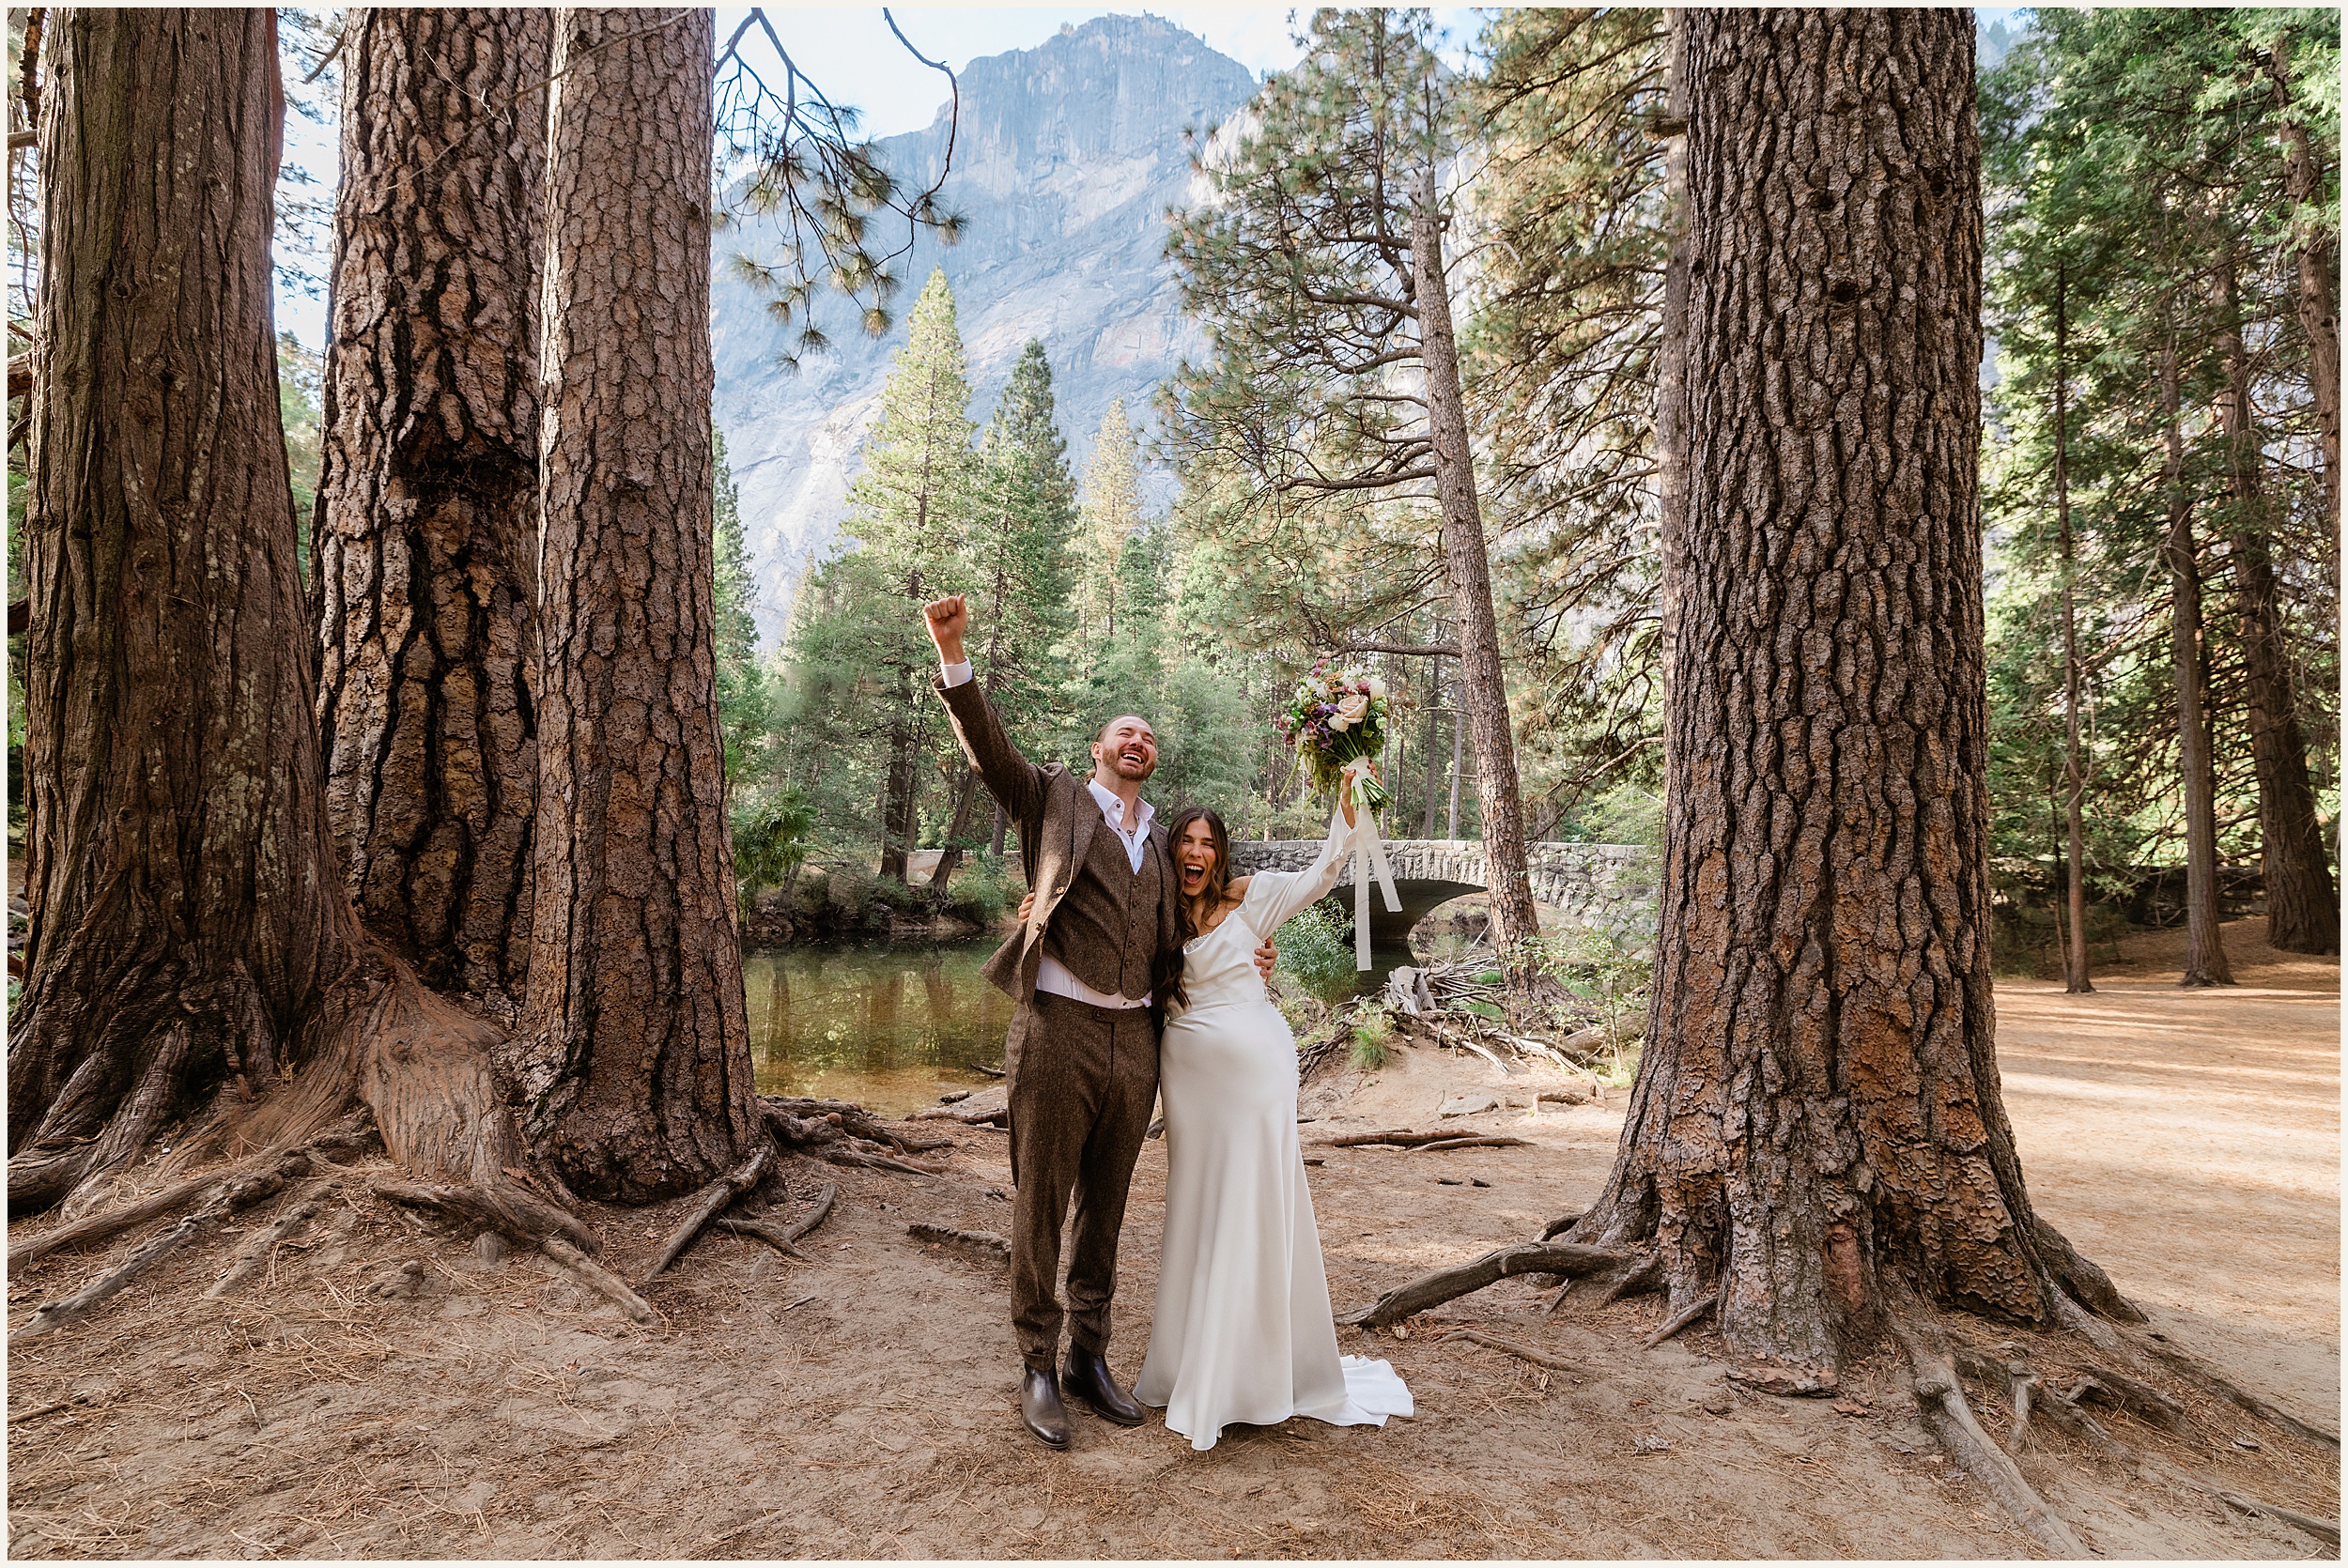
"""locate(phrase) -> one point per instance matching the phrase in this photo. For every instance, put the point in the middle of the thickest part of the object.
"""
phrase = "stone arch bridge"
(1604, 884)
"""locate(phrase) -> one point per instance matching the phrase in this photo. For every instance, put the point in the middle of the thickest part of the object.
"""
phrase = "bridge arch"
(1611, 884)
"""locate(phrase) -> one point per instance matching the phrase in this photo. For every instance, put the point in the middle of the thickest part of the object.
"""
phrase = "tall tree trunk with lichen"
(426, 527)
(634, 1049)
(1483, 689)
(192, 950)
(2204, 940)
(1817, 1107)
(2302, 902)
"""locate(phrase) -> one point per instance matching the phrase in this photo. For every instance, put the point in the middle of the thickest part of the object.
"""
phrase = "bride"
(1242, 1330)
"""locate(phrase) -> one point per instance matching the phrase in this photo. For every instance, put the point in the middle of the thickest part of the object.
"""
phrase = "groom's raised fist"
(948, 619)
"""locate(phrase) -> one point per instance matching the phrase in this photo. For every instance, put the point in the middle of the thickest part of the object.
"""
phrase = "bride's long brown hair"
(1168, 978)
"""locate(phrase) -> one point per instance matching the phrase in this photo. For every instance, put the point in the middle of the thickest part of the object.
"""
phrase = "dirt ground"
(861, 1404)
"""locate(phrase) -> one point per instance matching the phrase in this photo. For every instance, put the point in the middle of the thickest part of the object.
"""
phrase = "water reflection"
(892, 1026)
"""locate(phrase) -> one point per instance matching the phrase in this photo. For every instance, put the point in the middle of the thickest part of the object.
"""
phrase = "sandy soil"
(861, 1404)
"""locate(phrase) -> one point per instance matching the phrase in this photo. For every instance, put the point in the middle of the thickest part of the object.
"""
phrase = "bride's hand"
(1026, 905)
(1345, 803)
(1266, 955)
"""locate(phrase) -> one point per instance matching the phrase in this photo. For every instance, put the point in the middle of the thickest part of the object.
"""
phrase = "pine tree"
(743, 699)
(1110, 514)
(909, 513)
(1017, 549)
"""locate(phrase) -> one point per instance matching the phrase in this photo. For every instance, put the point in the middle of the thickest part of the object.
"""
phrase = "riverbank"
(860, 1403)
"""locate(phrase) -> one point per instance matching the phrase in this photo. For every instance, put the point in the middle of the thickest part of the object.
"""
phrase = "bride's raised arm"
(1273, 896)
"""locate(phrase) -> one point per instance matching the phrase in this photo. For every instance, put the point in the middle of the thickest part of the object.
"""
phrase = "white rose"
(1350, 712)
(1338, 724)
(1377, 685)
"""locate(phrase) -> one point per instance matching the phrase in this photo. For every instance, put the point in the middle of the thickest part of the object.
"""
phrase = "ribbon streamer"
(1368, 859)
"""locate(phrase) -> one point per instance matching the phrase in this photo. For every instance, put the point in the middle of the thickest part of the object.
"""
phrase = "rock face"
(1067, 157)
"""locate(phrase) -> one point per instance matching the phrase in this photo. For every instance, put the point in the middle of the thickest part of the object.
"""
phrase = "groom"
(1081, 1060)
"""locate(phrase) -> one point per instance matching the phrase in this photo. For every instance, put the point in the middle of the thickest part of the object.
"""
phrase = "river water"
(893, 1026)
(890, 1026)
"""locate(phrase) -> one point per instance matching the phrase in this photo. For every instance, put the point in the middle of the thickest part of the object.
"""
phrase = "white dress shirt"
(1053, 975)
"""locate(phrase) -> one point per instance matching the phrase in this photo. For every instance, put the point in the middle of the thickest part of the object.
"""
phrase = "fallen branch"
(984, 1244)
(1443, 1284)
(1526, 1352)
(709, 1200)
(782, 1238)
(1399, 1138)
(1472, 1141)
(596, 1275)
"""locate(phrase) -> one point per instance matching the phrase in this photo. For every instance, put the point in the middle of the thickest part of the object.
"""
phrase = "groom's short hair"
(1102, 735)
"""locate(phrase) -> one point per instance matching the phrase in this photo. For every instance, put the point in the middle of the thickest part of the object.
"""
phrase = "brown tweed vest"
(1105, 929)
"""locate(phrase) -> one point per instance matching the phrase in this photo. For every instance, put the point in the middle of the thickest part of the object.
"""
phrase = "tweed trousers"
(1087, 1078)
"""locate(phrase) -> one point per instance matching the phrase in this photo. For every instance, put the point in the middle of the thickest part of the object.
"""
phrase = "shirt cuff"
(954, 674)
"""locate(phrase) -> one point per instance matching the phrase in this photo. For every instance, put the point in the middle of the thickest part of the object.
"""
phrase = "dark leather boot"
(1086, 1377)
(1040, 1408)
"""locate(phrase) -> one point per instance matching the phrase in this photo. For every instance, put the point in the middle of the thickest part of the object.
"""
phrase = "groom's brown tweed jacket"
(1081, 1078)
(1087, 921)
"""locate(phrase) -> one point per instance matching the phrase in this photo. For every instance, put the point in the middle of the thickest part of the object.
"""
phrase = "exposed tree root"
(596, 1275)
(254, 1254)
(849, 1117)
(983, 1245)
(832, 1133)
(1681, 1318)
(237, 1193)
(1522, 1352)
(1443, 1284)
(783, 1237)
(708, 1201)
(1940, 1400)
(1561, 1224)
(2200, 1372)
(498, 1205)
(2031, 1394)
(1640, 1275)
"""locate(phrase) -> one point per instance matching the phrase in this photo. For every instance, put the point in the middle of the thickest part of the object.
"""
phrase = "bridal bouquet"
(1336, 721)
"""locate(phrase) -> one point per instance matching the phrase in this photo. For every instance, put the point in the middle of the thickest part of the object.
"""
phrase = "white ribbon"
(1368, 859)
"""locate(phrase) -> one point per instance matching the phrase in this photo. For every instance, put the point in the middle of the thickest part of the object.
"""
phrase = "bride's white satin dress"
(1242, 1330)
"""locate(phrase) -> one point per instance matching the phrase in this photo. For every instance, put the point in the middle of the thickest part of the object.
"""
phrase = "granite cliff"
(1067, 158)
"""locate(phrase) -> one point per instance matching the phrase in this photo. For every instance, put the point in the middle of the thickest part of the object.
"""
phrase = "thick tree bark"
(2302, 903)
(2315, 263)
(2075, 976)
(2204, 942)
(635, 1049)
(428, 491)
(1818, 1106)
(188, 923)
(1483, 692)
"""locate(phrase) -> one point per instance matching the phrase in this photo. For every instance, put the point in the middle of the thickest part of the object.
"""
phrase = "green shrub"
(1317, 952)
(984, 890)
(770, 838)
(1373, 1039)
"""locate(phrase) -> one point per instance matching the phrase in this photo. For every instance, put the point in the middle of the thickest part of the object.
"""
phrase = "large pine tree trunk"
(635, 1040)
(428, 491)
(190, 928)
(1483, 692)
(2205, 942)
(1817, 1107)
(2302, 903)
